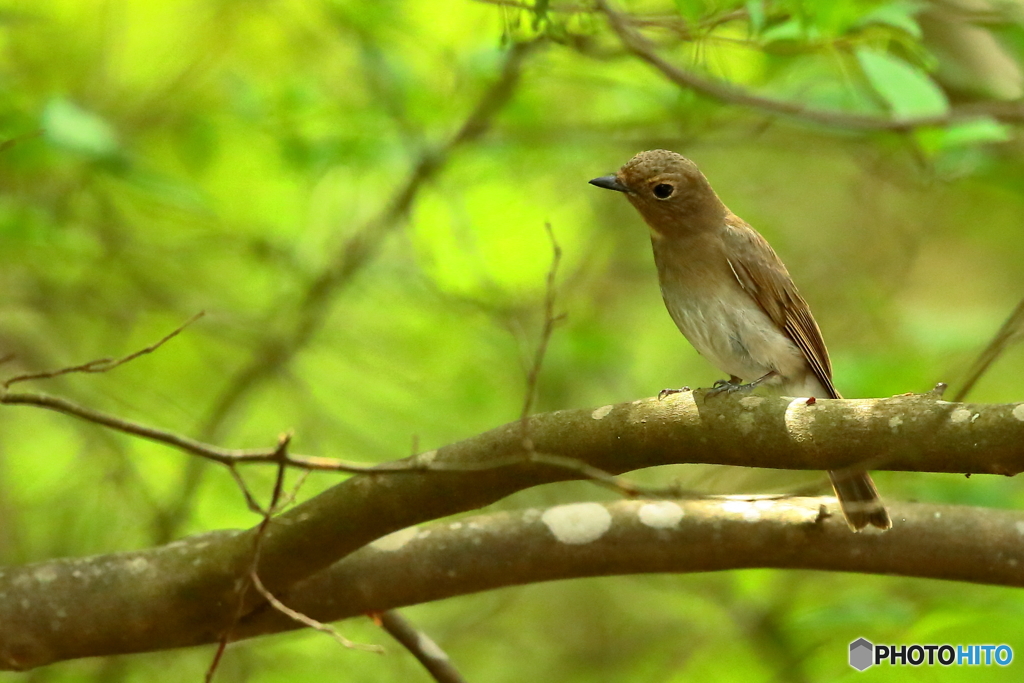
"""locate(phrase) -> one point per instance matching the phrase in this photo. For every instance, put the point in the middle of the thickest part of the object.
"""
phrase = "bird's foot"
(734, 384)
(729, 386)
(668, 392)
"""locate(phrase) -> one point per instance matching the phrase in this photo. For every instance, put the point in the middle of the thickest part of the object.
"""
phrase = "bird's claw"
(727, 386)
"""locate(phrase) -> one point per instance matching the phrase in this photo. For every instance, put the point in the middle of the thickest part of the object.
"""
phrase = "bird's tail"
(859, 500)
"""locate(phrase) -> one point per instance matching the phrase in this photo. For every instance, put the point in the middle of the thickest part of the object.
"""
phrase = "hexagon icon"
(861, 652)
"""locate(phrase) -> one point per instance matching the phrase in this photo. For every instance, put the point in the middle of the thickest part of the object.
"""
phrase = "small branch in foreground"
(250, 500)
(277, 501)
(281, 452)
(301, 618)
(423, 648)
(103, 364)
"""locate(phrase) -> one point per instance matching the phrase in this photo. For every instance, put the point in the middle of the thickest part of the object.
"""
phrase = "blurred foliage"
(170, 156)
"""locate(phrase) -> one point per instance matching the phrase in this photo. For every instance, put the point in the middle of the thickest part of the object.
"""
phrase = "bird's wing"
(764, 277)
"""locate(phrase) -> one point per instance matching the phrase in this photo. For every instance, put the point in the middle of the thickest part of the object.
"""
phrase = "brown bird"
(733, 299)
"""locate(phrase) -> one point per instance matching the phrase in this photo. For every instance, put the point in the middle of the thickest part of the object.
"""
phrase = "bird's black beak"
(609, 182)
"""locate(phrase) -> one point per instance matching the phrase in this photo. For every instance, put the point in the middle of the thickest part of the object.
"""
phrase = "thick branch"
(482, 553)
(443, 560)
(183, 593)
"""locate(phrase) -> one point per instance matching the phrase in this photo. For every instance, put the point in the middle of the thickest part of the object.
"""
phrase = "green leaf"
(67, 125)
(790, 30)
(936, 139)
(899, 15)
(907, 90)
(977, 131)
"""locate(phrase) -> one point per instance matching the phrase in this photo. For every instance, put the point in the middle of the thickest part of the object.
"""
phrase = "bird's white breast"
(727, 327)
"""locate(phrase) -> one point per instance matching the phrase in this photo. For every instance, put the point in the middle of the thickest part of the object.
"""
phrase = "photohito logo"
(864, 653)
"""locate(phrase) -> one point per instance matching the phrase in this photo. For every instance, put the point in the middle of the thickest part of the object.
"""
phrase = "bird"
(733, 299)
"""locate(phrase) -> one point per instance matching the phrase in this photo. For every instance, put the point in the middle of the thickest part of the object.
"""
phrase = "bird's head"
(669, 191)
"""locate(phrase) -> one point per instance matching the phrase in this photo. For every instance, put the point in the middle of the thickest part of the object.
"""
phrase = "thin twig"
(533, 376)
(278, 500)
(662, 19)
(281, 452)
(637, 44)
(103, 364)
(550, 320)
(423, 648)
(218, 654)
(250, 500)
(309, 621)
(1011, 332)
(290, 497)
(275, 504)
(594, 474)
(225, 456)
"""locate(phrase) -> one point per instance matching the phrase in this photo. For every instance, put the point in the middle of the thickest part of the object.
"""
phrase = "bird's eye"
(663, 190)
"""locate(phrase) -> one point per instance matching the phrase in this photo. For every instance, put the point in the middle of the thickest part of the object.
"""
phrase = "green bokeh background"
(214, 154)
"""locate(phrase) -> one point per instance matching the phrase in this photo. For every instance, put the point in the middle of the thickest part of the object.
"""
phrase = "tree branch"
(102, 364)
(224, 456)
(420, 645)
(642, 48)
(482, 553)
(183, 593)
(680, 536)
